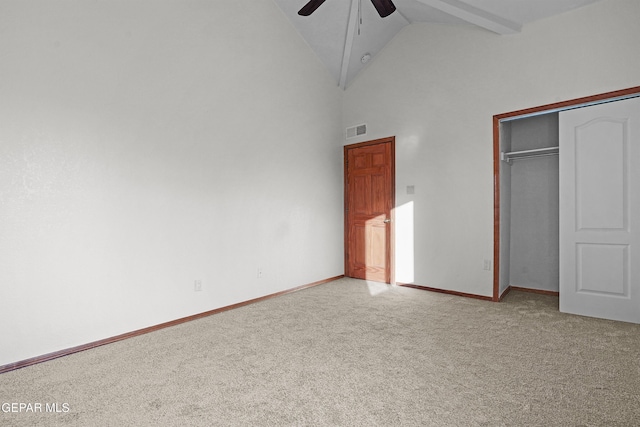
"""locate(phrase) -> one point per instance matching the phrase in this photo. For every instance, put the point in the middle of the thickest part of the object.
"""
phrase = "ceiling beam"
(348, 43)
(475, 16)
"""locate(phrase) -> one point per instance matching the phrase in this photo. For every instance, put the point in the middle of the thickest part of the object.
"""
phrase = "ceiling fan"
(384, 7)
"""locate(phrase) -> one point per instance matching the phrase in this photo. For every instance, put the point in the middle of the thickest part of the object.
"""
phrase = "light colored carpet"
(351, 353)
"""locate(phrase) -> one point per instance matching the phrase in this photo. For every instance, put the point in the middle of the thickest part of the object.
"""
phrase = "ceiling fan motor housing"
(384, 7)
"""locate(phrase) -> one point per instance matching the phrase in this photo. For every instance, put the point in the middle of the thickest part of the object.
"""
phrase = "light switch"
(411, 189)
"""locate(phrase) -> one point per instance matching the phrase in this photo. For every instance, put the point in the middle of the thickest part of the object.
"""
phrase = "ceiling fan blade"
(310, 7)
(384, 7)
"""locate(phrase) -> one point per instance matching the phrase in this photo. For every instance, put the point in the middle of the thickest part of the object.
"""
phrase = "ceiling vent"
(354, 131)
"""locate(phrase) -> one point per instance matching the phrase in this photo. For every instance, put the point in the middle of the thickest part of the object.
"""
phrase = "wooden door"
(600, 211)
(369, 201)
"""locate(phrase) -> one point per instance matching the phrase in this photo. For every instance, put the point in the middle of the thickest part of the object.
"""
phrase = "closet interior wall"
(530, 206)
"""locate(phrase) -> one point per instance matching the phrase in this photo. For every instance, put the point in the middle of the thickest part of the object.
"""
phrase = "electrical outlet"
(197, 285)
(487, 265)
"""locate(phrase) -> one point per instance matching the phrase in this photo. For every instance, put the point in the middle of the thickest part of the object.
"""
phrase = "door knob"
(387, 220)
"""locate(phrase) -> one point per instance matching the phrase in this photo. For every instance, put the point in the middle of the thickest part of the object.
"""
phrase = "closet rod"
(537, 152)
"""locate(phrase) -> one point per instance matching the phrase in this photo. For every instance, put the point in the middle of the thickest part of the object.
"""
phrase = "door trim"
(543, 109)
(392, 241)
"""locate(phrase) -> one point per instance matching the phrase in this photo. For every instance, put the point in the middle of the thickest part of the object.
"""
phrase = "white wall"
(437, 87)
(146, 144)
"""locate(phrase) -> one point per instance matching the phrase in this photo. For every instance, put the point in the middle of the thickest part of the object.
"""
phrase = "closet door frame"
(543, 109)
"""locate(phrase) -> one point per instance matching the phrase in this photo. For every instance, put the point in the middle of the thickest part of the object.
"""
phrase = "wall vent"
(358, 130)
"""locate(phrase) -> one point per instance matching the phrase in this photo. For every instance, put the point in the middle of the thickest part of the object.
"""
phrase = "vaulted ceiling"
(343, 32)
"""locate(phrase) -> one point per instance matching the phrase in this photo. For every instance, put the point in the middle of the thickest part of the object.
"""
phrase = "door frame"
(392, 241)
(528, 112)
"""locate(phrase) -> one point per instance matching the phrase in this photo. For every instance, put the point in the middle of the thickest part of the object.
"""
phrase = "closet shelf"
(525, 154)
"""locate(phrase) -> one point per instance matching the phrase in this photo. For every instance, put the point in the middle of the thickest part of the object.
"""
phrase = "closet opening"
(530, 205)
(526, 194)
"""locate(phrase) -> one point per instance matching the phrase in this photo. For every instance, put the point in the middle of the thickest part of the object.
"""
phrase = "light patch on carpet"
(376, 288)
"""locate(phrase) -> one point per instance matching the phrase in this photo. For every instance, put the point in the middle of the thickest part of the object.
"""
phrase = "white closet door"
(600, 211)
